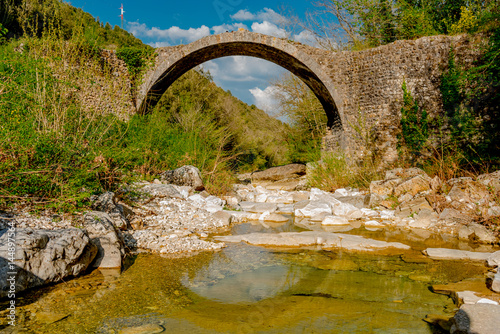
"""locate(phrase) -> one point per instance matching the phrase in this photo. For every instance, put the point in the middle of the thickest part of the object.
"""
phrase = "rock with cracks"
(43, 257)
(280, 173)
(184, 176)
(106, 203)
(477, 319)
(455, 254)
(104, 235)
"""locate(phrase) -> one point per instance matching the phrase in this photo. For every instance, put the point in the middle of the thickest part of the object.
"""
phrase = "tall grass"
(335, 171)
(48, 139)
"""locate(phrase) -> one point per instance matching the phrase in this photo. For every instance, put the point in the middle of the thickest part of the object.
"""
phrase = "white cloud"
(306, 37)
(243, 69)
(228, 27)
(173, 34)
(159, 44)
(268, 28)
(266, 14)
(265, 99)
(243, 15)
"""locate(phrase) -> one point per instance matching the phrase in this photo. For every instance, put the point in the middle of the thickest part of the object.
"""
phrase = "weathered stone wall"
(102, 87)
(362, 88)
(370, 84)
(111, 91)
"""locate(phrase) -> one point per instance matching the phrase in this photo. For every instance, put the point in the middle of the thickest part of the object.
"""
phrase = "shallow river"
(247, 289)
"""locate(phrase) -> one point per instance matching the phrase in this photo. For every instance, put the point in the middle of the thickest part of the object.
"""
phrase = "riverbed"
(249, 289)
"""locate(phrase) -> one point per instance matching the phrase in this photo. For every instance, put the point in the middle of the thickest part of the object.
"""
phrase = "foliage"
(305, 114)
(136, 59)
(450, 86)
(3, 33)
(45, 134)
(414, 124)
(57, 150)
(470, 97)
(357, 24)
(467, 22)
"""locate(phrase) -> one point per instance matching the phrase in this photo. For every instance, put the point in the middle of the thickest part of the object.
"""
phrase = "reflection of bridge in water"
(300, 291)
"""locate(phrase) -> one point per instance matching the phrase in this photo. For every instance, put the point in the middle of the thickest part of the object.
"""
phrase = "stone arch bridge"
(360, 91)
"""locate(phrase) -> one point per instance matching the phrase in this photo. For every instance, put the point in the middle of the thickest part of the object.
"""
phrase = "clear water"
(246, 289)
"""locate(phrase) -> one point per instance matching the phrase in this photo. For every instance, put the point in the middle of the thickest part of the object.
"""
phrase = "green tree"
(302, 110)
(367, 23)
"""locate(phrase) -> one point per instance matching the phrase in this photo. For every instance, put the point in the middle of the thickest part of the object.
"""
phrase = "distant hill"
(59, 17)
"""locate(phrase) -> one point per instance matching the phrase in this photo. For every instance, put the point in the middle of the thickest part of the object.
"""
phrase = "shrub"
(414, 124)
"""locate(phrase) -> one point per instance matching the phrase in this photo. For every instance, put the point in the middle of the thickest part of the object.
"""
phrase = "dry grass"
(335, 171)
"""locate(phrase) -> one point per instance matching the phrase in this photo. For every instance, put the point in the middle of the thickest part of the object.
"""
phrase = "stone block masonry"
(349, 85)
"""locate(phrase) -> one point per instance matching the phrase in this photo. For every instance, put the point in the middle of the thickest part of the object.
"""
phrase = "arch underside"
(257, 50)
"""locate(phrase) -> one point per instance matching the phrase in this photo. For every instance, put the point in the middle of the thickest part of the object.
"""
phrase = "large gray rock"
(413, 185)
(184, 176)
(464, 189)
(424, 218)
(384, 187)
(280, 173)
(401, 181)
(477, 233)
(455, 216)
(258, 207)
(106, 203)
(494, 259)
(403, 173)
(43, 257)
(413, 207)
(495, 284)
(477, 319)
(104, 235)
(334, 220)
(225, 217)
(491, 181)
(346, 210)
(360, 201)
(312, 208)
(161, 190)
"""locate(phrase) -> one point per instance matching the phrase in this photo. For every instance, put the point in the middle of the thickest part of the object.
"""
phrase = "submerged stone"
(455, 254)
(324, 240)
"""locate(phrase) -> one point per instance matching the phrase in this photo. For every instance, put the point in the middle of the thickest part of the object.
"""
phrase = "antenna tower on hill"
(121, 15)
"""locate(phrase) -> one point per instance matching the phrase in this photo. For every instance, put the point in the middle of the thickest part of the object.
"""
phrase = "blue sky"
(162, 23)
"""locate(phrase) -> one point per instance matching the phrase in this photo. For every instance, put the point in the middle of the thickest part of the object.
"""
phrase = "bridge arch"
(172, 62)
